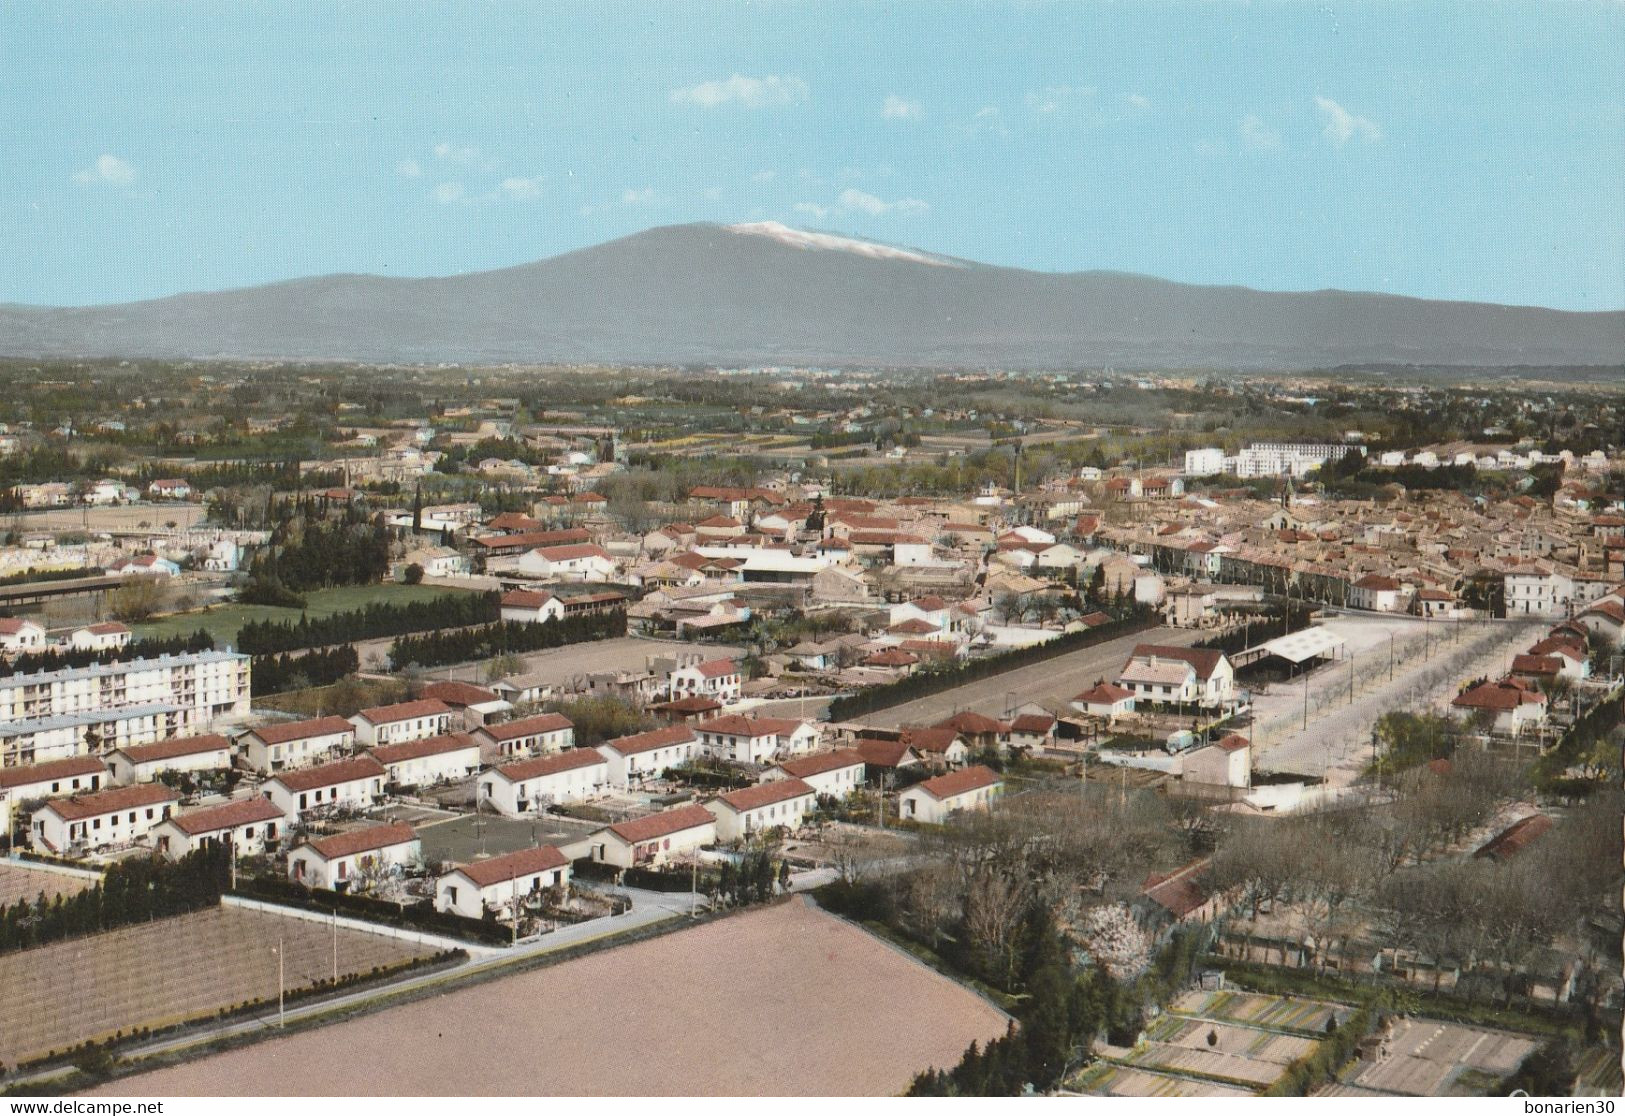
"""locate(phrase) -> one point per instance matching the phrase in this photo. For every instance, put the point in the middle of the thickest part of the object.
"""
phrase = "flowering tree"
(1116, 941)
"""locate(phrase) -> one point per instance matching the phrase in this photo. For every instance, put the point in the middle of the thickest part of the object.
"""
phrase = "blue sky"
(1471, 151)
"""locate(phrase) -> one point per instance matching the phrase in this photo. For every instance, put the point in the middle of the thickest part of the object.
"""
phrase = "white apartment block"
(1206, 462)
(1296, 459)
(186, 692)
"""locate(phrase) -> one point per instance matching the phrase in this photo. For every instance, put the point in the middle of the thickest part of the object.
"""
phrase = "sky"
(1445, 150)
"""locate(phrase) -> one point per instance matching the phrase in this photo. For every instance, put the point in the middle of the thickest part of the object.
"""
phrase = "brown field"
(17, 882)
(165, 972)
(783, 1001)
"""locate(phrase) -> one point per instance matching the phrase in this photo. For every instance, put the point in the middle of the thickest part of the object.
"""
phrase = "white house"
(273, 748)
(20, 636)
(835, 774)
(545, 732)
(496, 884)
(1377, 593)
(746, 739)
(780, 803)
(1227, 763)
(1537, 590)
(354, 783)
(1514, 706)
(634, 759)
(1105, 700)
(109, 636)
(651, 840)
(102, 821)
(529, 786)
(716, 678)
(334, 863)
(253, 826)
(529, 606)
(142, 763)
(1174, 675)
(407, 720)
(145, 565)
(578, 562)
(36, 781)
(174, 489)
(431, 760)
(935, 800)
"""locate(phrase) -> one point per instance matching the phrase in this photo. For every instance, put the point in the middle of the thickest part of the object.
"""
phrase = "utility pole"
(335, 946)
(281, 983)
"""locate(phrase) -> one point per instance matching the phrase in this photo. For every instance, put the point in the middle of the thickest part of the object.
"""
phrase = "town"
(1254, 735)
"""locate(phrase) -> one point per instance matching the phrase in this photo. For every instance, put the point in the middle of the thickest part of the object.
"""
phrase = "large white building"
(104, 821)
(529, 786)
(1206, 462)
(1294, 459)
(46, 713)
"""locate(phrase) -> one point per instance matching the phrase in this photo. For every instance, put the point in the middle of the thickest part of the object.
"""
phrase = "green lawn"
(223, 621)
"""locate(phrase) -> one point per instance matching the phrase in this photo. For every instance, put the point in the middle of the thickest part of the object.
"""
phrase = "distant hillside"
(764, 294)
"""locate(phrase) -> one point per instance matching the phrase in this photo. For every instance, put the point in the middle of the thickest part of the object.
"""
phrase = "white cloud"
(811, 209)
(1259, 135)
(638, 197)
(898, 108)
(1342, 125)
(106, 168)
(447, 193)
(1054, 98)
(987, 119)
(860, 202)
(408, 168)
(1139, 101)
(452, 153)
(764, 176)
(751, 92)
(521, 189)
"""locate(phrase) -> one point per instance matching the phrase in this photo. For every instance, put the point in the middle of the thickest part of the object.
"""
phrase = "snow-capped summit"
(828, 242)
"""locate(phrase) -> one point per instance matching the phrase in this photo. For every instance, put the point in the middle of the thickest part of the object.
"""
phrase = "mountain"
(766, 294)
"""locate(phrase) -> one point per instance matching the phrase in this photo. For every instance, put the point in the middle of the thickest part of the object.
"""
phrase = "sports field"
(224, 621)
(786, 1000)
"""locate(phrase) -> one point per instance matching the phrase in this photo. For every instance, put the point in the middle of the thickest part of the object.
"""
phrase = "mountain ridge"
(719, 294)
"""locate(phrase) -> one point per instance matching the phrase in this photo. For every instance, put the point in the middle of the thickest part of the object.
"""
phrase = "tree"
(413, 574)
(137, 599)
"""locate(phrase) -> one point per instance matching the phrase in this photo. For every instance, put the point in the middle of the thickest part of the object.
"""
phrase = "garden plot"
(170, 971)
(1424, 1057)
(1229, 1039)
(1106, 1079)
(1305, 1016)
(17, 882)
(1229, 1068)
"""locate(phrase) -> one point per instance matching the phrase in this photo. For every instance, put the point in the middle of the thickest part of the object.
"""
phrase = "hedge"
(925, 683)
(648, 879)
(433, 649)
(375, 621)
(419, 916)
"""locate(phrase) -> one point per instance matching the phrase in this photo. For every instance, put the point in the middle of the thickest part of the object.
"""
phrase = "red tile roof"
(1203, 660)
(930, 739)
(821, 762)
(882, 753)
(1179, 892)
(111, 801)
(331, 774)
(361, 840)
(1106, 693)
(180, 746)
(649, 741)
(227, 815)
(1515, 838)
(302, 730)
(739, 724)
(663, 824)
(404, 711)
(1033, 724)
(971, 723)
(525, 862)
(459, 693)
(567, 760)
(718, 668)
(956, 783)
(428, 746)
(528, 726)
(764, 794)
(29, 774)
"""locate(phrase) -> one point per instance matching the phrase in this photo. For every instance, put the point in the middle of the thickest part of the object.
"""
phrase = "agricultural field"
(18, 882)
(1109, 1079)
(224, 621)
(803, 1003)
(169, 971)
(1306, 1016)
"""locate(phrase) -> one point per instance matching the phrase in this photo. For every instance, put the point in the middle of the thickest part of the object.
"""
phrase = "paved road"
(1052, 682)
